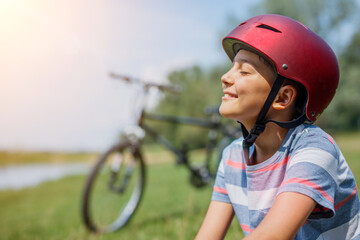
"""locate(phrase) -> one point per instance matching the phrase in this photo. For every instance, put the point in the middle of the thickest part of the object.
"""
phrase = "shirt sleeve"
(220, 192)
(312, 171)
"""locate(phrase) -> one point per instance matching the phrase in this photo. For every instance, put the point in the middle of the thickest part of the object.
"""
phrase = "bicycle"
(119, 173)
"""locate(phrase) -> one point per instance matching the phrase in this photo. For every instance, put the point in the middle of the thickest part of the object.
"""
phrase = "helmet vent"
(268, 28)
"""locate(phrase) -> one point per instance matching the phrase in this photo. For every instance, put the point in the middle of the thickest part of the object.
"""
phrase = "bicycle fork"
(134, 135)
(116, 168)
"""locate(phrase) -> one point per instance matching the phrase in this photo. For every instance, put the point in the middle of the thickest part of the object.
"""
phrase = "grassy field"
(171, 207)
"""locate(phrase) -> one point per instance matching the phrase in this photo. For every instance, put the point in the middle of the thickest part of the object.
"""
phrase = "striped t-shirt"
(308, 162)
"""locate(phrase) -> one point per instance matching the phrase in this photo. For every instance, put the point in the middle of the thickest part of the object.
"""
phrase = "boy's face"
(246, 86)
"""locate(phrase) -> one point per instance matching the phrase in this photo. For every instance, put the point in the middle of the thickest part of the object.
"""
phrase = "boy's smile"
(229, 95)
(246, 86)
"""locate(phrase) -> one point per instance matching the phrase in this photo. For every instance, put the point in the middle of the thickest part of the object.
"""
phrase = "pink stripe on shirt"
(245, 228)
(330, 139)
(220, 190)
(234, 164)
(310, 184)
(273, 166)
(337, 206)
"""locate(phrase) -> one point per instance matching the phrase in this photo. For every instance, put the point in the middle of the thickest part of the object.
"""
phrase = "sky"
(55, 56)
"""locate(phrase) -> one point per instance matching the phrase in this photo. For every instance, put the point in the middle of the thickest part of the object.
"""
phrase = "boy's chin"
(223, 111)
(226, 112)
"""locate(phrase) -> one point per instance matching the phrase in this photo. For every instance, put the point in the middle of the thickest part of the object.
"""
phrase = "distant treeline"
(335, 20)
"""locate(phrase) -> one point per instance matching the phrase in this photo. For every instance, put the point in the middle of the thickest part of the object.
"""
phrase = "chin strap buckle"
(254, 133)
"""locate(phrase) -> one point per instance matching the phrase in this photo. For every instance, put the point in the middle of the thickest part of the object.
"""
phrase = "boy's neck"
(269, 142)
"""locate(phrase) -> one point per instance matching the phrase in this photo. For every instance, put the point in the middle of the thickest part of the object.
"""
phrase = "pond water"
(22, 176)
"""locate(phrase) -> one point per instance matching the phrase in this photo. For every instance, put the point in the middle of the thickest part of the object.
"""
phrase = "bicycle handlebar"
(147, 85)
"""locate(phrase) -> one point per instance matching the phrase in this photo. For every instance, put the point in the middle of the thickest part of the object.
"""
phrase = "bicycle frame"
(126, 167)
(141, 128)
(181, 154)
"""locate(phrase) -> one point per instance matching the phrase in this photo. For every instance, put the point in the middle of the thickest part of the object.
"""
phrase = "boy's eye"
(244, 72)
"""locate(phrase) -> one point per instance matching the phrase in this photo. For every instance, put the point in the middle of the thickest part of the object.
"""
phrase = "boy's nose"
(226, 79)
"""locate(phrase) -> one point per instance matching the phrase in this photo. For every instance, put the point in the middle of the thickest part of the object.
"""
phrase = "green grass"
(171, 207)
(349, 144)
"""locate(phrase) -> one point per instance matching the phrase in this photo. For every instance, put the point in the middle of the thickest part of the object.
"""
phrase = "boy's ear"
(285, 97)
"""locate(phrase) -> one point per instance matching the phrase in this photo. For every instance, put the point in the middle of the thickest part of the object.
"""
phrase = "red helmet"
(296, 52)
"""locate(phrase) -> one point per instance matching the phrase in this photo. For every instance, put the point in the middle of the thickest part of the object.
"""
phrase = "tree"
(344, 113)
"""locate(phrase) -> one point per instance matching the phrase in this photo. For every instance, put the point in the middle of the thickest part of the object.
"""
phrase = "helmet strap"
(290, 124)
(259, 126)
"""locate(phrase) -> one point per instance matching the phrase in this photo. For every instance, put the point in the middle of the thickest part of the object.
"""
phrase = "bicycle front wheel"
(114, 188)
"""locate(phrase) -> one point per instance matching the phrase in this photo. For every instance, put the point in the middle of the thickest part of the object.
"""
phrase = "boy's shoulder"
(310, 132)
(311, 136)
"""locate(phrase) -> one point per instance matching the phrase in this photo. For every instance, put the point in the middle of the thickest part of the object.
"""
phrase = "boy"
(286, 179)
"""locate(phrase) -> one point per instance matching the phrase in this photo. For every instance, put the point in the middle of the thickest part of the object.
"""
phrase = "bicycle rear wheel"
(114, 188)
